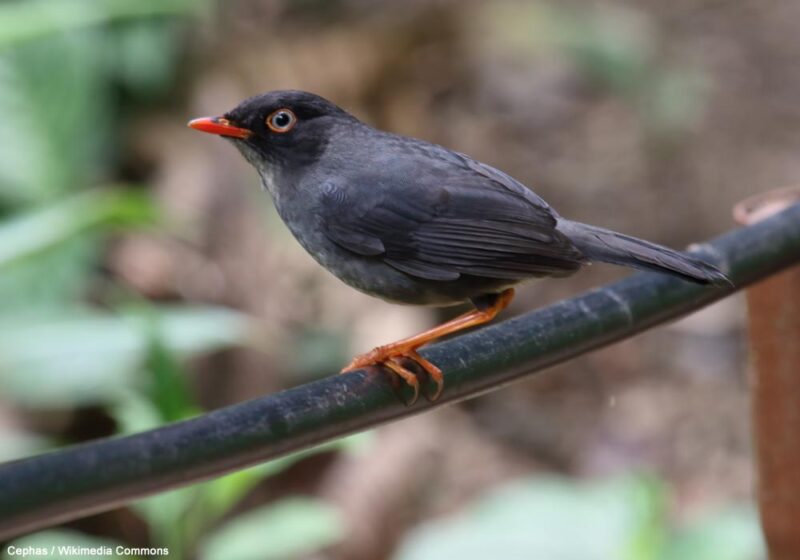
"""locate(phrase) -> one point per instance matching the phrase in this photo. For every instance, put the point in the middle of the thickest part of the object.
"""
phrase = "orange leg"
(391, 355)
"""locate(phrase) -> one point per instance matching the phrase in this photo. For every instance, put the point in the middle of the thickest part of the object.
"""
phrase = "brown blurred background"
(651, 118)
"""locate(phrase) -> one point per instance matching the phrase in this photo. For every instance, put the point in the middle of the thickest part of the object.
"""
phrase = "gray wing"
(468, 223)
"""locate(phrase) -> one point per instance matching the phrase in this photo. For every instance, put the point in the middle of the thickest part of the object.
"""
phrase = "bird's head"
(279, 129)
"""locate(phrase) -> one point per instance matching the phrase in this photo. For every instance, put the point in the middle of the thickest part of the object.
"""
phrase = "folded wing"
(475, 226)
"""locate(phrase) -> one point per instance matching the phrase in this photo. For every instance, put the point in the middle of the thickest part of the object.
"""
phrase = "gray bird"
(415, 223)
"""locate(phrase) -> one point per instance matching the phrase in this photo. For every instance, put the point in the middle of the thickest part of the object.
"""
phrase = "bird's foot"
(392, 356)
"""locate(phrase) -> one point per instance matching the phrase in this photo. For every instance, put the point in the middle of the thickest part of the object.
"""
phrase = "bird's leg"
(391, 355)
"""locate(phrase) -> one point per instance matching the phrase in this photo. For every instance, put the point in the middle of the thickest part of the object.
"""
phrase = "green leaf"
(46, 102)
(223, 493)
(51, 280)
(62, 543)
(148, 53)
(733, 534)
(47, 254)
(30, 20)
(169, 390)
(33, 233)
(164, 514)
(59, 88)
(133, 413)
(541, 518)
(279, 531)
(178, 518)
(83, 357)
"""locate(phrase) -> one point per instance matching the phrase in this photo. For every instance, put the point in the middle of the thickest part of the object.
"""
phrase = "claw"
(433, 372)
(392, 359)
(406, 376)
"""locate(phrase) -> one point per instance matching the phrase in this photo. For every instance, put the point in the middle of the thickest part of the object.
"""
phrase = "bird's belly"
(374, 277)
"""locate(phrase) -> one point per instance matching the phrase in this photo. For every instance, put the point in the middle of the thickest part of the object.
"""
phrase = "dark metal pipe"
(97, 476)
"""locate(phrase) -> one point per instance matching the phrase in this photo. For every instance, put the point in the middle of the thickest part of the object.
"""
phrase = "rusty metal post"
(773, 307)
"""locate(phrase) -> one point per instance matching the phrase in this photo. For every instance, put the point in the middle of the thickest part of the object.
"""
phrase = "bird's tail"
(615, 248)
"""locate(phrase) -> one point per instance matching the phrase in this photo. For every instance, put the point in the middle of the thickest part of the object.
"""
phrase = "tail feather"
(615, 248)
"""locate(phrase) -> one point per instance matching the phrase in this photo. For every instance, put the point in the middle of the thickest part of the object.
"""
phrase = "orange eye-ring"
(281, 121)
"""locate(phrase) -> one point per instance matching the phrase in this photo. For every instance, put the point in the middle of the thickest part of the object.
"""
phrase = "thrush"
(413, 222)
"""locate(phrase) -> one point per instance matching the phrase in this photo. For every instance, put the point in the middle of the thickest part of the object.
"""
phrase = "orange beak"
(221, 126)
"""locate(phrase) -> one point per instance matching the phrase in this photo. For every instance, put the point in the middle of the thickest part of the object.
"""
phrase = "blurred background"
(144, 277)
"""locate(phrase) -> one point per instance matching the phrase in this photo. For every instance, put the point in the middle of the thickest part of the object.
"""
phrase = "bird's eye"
(282, 120)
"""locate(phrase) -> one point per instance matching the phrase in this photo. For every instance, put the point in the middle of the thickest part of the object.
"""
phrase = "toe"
(406, 376)
(433, 372)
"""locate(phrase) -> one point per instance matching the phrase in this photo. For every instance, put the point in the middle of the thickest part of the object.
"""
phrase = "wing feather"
(475, 225)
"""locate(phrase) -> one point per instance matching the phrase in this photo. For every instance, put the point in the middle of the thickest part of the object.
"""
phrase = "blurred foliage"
(29, 20)
(63, 343)
(190, 521)
(59, 116)
(50, 227)
(614, 48)
(284, 529)
(60, 120)
(47, 252)
(87, 357)
(553, 519)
